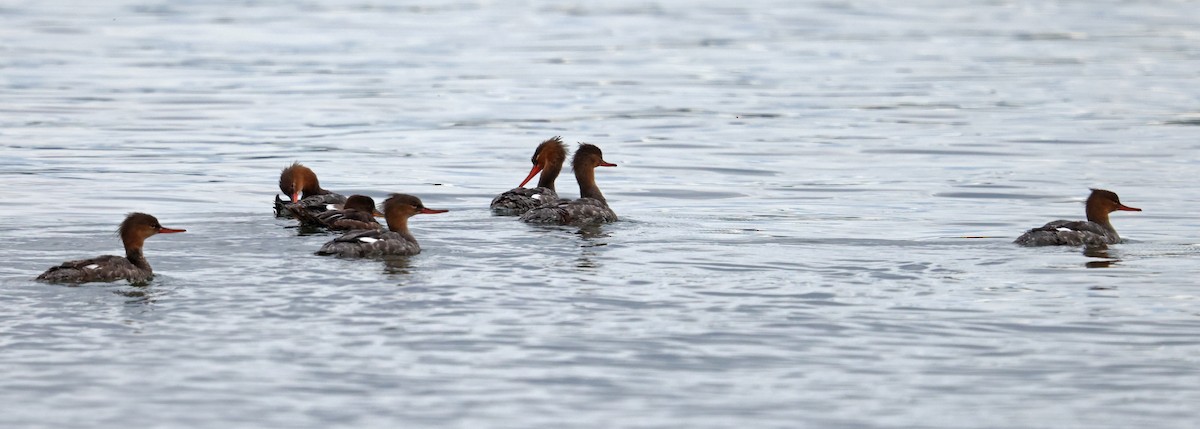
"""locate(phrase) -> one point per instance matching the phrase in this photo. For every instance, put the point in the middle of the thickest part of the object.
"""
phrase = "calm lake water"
(795, 183)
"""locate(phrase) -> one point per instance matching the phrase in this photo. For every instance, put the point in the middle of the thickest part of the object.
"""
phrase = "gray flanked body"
(582, 211)
(520, 200)
(312, 205)
(371, 244)
(358, 212)
(1069, 233)
(107, 268)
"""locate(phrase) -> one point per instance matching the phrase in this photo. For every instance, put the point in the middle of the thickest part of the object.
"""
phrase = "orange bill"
(537, 168)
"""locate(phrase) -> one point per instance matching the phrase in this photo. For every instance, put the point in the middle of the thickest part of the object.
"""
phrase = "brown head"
(399, 207)
(137, 227)
(297, 180)
(548, 156)
(588, 156)
(586, 159)
(1101, 202)
(361, 203)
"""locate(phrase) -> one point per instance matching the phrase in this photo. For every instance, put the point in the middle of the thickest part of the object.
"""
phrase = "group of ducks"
(314, 206)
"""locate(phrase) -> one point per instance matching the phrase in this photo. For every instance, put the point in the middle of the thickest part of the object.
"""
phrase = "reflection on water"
(591, 237)
(1102, 252)
(139, 294)
(397, 264)
(1101, 264)
(587, 261)
(590, 233)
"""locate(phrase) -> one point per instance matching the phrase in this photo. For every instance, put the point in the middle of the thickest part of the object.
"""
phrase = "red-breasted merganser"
(396, 240)
(548, 159)
(591, 207)
(301, 184)
(1095, 231)
(358, 213)
(134, 231)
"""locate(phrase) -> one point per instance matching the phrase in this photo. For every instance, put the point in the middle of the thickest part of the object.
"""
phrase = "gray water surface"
(796, 183)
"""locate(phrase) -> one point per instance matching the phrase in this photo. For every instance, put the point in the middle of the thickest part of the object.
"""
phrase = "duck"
(357, 213)
(301, 184)
(591, 207)
(1095, 231)
(547, 159)
(396, 240)
(134, 231)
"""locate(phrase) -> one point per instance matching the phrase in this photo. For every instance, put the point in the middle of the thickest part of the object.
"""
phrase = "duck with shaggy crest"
(301, 184)
(396, 240)
(133, 267)
(1095, 231)
(548, 160)
(591, 207)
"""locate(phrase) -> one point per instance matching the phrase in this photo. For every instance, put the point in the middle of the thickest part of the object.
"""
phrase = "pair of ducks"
(315, 206)
(541, 205)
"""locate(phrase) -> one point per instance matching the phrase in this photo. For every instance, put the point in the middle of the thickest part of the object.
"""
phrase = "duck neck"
(549, 175)
(134, 255)
(587, 184)
(399, 224)
(1099, 215)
